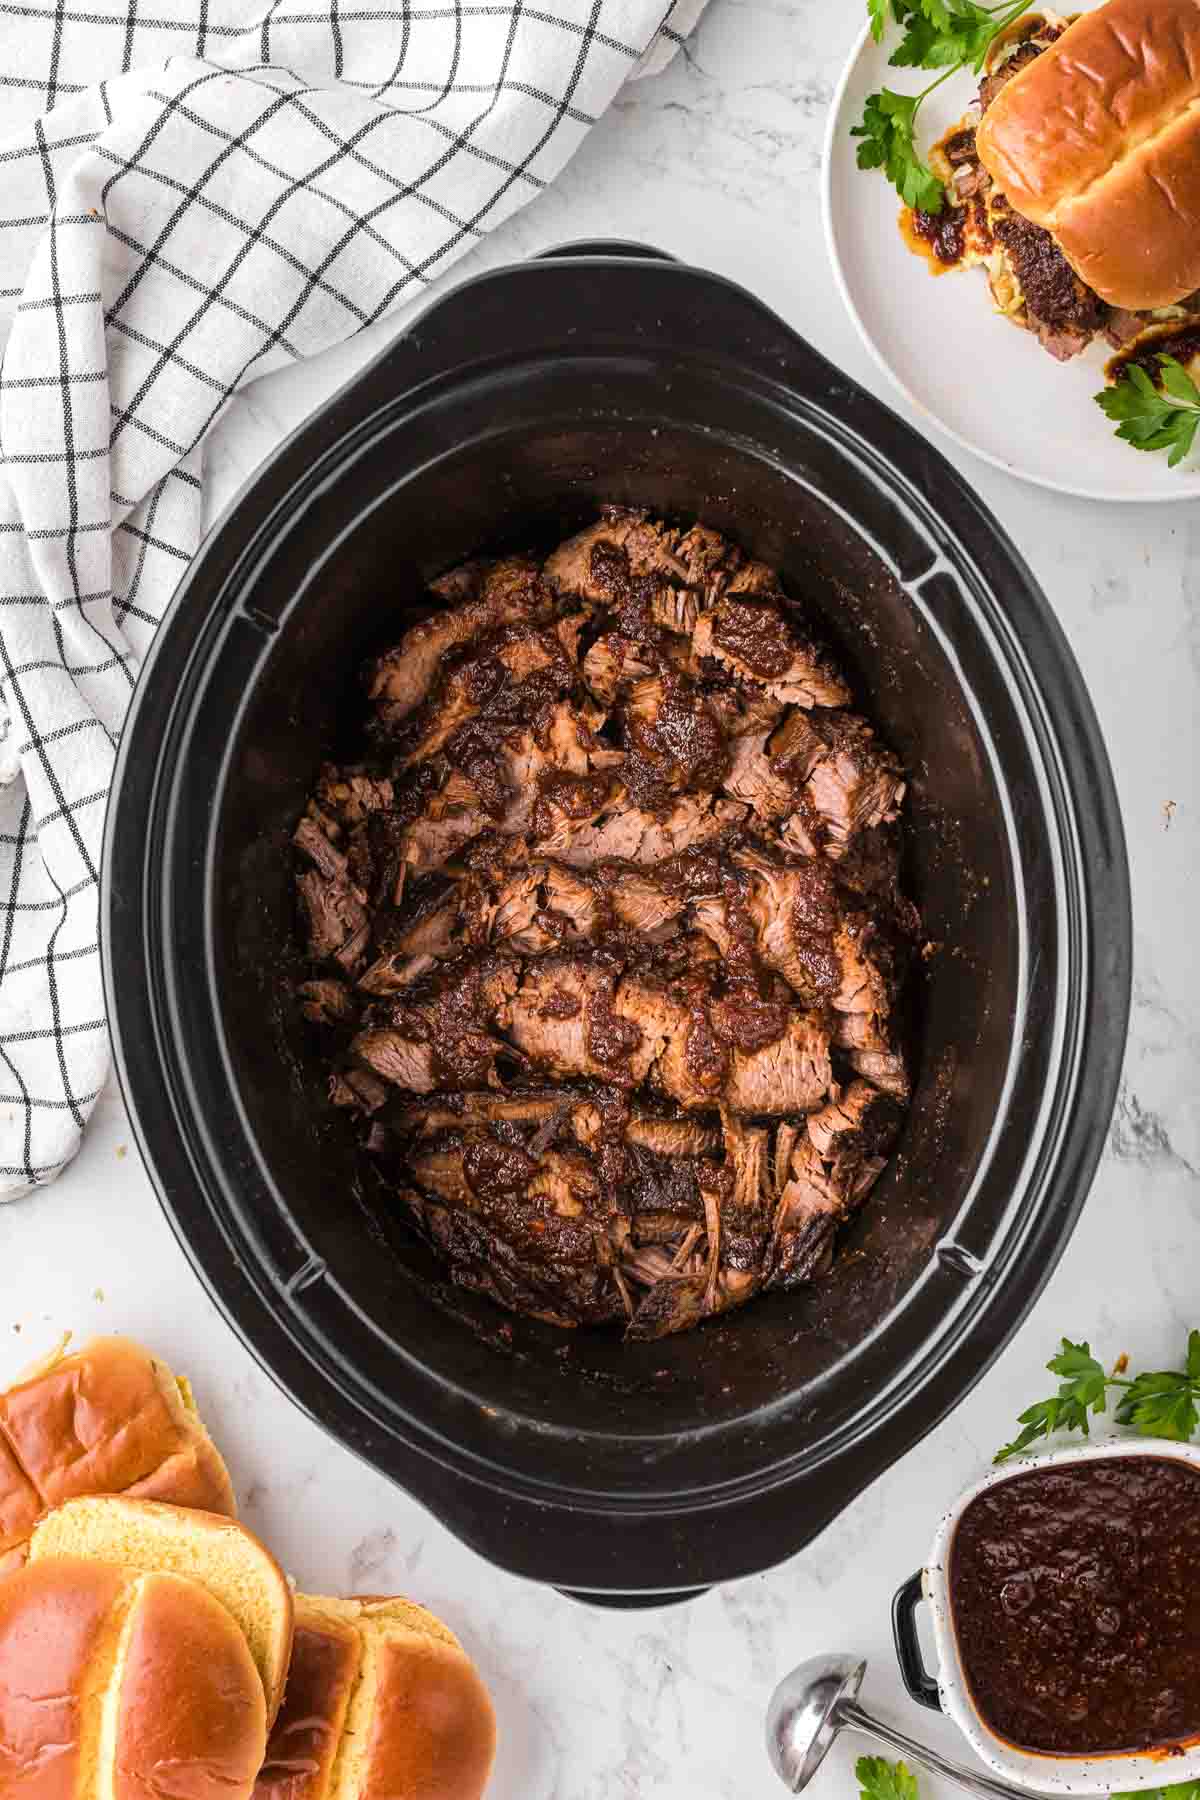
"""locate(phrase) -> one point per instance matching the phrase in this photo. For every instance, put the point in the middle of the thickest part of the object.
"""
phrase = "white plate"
(986, 383)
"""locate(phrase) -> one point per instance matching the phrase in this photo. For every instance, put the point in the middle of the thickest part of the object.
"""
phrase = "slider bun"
(120, 1686)
(219, 1554)
(383, 1703)
(1098, 141)
(106, 1419)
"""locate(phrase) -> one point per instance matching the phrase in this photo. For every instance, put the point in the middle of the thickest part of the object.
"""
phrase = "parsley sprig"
(938, 34)
(1154, 418)
(1158, 1404)
(1182, 1790)
(879, 1779)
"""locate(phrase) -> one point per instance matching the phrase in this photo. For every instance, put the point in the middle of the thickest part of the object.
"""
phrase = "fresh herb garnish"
(888, 144)
(938, 34)
(1160, 1404)
(1153, 418)
(880, 1779)
(1182, 1790)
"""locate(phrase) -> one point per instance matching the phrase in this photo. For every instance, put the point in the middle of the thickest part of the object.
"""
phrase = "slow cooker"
(504, 417)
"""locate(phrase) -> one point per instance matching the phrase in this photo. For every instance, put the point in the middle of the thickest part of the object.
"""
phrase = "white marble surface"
(718, 161)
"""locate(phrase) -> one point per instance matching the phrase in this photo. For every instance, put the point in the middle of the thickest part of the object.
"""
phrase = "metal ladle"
(819, 1699)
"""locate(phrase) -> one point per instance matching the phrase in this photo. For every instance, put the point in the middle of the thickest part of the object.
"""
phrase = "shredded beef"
(605, 931)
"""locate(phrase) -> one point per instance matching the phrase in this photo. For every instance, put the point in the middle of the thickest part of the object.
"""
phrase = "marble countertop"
(717, 160)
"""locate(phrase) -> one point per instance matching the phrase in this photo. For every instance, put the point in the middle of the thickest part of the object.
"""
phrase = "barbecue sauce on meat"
(1182, 343)
(756, 633)
(815, 917)
(944, 232)
(580, 993)
(1053, 291)
(611, 1039)
(1075, 1593)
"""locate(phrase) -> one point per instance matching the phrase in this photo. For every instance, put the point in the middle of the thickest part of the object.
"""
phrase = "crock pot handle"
(606, 247)
(916, 1678)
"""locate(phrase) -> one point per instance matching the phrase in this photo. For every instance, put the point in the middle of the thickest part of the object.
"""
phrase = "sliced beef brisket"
(605, 931)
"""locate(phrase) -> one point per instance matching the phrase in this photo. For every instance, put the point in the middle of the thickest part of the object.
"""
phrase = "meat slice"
(629, 834)
(710, 560)
(392, 974)
(682, 1295)
(641, 903)
(851, 782)
(663, 1198)
(543, 1218)
(465, 582)
(673, 739)
(791, 1075)
(535, 758)
(572, 907)
(429, 843)
(508, 591)
(746, 1208)
(673, 1137)
(337, 920)
(884, 1069)
(430, 930)
(439, 1171)
(614, 662)
(449, 1112)
(567, 1285)
(398, 1060)
(320, 849)
(744, 709)
(348, 797)
(442, 1031)
(504, 911)
(574, 569)
(495, 680)
(755, 578)
(335, 907)
(752, 637)
(566, 805)
(833, 1168)
(571, 1017)
(867, 988)
(1063, 312)
(487, 1173)
(444, 714)
(752, 780)
(858, 1124)
(533, 908)
(794, 910)
(326, 1002)
(359, 1089)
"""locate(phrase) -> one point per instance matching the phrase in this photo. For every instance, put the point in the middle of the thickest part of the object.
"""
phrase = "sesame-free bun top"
(383, 1703)
(1098, 141)
(116, 1685)
(108, 1418)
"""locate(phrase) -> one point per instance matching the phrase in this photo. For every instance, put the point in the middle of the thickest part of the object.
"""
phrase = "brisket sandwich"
(1075, 178)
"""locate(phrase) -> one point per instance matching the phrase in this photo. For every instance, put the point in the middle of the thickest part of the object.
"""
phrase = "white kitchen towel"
(193, 193)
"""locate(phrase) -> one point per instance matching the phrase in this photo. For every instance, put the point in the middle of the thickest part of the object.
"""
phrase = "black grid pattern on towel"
(194, 193)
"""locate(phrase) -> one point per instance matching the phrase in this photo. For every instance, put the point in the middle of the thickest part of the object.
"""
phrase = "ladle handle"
(852, 1715)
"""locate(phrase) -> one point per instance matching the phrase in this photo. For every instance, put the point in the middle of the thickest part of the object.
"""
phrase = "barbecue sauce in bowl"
(1075, 1598)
